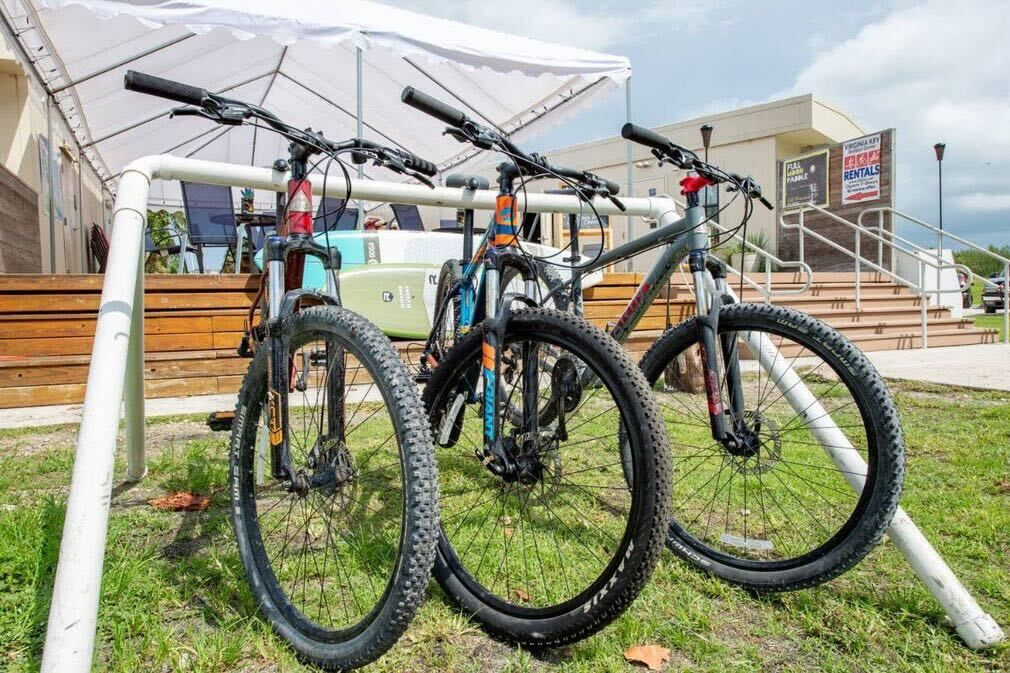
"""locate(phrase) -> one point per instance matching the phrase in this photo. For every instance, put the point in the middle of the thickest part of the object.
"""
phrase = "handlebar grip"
(612, 187)
(435, 108)
(416, 163)
(644, 136)
(164, 88)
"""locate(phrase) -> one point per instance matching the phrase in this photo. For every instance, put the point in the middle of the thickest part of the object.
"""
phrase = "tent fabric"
(299, 61)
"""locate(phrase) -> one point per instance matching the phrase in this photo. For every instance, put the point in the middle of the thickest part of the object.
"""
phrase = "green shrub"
(980, 263)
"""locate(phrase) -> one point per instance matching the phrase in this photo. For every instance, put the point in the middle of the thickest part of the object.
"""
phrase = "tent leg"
(630, 160)
(70, 633)
(136, 468)
(977, 629)
(360, 121)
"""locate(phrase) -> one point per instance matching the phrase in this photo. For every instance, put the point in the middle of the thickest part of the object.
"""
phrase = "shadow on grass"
(51, 520)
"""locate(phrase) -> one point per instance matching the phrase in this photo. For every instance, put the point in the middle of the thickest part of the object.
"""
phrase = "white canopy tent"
(338, 67)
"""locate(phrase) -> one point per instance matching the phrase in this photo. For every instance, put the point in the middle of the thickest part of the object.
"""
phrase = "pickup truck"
(992, 293)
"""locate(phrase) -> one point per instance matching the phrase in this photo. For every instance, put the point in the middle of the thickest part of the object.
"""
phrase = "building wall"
(22, 122)
(749, 141)
(820, 255)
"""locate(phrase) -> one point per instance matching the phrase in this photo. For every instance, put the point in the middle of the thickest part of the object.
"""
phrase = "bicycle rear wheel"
(337, 566)
(779, 513)
(554, 557)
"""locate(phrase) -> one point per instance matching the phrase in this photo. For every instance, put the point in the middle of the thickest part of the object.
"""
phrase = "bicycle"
(823, 482)
(326, 474)
(543, 538)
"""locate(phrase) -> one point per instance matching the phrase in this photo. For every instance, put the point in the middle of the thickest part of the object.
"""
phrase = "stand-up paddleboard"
(398, 298)
(431, 248)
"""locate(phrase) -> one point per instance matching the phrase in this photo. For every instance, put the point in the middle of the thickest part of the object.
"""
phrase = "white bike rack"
(117, 366)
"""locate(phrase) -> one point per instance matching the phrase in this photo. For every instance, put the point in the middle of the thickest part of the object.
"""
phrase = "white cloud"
(984, 202)
(937, 72)
(581, 24)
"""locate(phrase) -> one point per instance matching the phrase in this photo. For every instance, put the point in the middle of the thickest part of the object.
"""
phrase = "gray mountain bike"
(788, 449)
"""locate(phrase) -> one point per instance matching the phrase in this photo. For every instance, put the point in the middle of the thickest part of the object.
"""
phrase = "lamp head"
(706, 135)
(939, 148)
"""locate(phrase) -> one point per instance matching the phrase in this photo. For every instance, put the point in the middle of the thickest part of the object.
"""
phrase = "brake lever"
(190, 111)
(616, 201)
(398, 166)
(423, 179)
(457, 134)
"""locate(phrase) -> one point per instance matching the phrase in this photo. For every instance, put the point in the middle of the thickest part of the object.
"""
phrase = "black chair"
(326, 216)
(408, 217)
(210, 214)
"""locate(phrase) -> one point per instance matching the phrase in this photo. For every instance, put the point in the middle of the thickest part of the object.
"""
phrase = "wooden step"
(626, 292)
(640, 342)
(157, 282)
(778, 277)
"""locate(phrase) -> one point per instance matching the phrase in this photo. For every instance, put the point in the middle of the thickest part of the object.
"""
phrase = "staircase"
(888, 318)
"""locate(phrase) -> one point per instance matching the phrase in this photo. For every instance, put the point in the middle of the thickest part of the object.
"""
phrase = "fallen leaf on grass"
(652, 656)
(181, 502)
(1003, 486)
(522, 595)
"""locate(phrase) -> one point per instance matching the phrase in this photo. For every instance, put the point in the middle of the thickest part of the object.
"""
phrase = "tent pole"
(359, 130)
(49, 172)
(627, 115)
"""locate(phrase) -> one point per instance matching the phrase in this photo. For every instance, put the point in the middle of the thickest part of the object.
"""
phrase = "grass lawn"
(175, 597)
(993, 321)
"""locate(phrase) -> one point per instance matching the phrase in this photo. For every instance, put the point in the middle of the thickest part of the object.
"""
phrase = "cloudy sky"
(936, 71)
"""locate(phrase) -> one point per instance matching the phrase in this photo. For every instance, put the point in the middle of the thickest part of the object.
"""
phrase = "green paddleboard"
(398, 298)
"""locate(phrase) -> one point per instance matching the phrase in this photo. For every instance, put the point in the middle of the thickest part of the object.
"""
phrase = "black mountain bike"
(554, 467)
(333, 481)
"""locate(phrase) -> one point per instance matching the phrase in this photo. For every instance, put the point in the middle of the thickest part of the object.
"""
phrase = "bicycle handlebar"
(666, 150)
(644, 136)
(164, 88)
(227, 111)
(465, 129)
(435, 108)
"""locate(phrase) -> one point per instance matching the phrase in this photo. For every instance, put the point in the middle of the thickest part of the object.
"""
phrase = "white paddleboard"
(358, 248)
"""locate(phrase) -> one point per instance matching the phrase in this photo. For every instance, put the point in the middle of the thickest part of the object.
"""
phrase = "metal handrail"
(769, 258)
(859, 260)
(940, 233)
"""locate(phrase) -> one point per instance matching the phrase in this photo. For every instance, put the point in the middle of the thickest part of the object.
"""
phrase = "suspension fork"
(496, 319)
(278, 362)
(730, 348)
(707, 323)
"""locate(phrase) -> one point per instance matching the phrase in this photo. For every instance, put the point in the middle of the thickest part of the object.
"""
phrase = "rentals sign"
(861, 169)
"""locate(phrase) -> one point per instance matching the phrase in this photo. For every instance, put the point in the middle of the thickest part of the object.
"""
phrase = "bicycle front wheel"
(815, 480)
(556, 551)
(339, 564)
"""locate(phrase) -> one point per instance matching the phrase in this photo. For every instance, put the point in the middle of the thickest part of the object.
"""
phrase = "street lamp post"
(939, 148)
(706, 140)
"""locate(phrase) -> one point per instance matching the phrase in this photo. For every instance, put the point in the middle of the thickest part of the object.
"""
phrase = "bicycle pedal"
(244, 350)
(220, 421)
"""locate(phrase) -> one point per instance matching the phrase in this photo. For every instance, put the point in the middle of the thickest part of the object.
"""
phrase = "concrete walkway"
(31, 417)
(985, 366)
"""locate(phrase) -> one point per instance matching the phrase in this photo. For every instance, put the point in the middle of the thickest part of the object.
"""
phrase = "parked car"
(992, 293)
